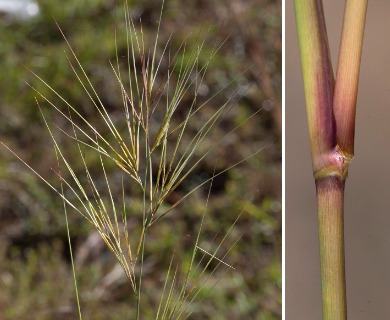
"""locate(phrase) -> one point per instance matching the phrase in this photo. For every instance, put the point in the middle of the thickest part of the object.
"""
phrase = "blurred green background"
(35, 272)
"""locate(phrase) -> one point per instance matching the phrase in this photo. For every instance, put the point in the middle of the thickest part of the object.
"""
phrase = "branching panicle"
(152, 155)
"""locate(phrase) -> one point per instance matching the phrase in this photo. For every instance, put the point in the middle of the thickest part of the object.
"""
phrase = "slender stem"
(141, 265)
(331, 107)
(318, 79)
(330, 198)
(347, 78)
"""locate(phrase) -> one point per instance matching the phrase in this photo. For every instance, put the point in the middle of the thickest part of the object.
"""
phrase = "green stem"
(317, 78)
(143, 236)
(345, 92)
(331, 109)
(330, 199)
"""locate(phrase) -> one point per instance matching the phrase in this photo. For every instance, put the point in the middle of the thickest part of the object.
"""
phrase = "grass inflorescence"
(152, 150)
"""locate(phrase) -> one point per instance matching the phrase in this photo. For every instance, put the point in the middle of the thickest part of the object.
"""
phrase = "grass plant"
(331, 109)
(152, 152)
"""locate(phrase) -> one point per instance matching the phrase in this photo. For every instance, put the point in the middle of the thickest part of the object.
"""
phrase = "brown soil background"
(367, 219)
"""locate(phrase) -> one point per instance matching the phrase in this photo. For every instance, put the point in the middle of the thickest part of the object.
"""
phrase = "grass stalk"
(331, 109)
(347, 77)
(330, 198)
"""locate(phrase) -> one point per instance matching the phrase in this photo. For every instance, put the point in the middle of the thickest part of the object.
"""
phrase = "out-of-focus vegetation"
(35, 273)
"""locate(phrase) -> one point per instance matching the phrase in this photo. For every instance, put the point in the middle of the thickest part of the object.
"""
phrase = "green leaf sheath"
(318, 80)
